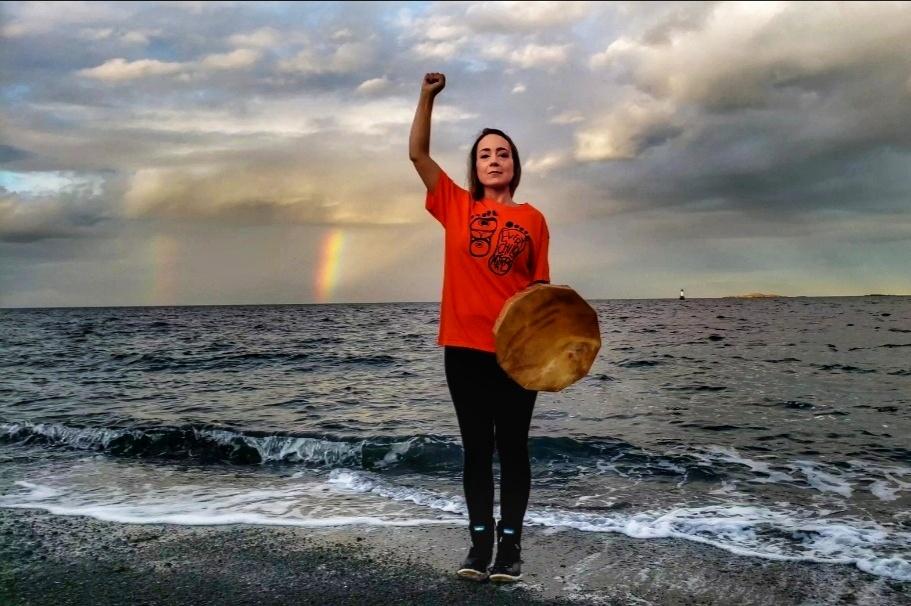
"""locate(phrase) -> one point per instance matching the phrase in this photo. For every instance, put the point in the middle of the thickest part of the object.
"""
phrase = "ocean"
(772, 428)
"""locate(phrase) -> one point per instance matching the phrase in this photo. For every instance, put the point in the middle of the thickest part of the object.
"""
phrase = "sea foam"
(778, 533)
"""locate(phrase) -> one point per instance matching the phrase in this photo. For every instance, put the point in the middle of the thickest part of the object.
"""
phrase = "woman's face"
(494, 161)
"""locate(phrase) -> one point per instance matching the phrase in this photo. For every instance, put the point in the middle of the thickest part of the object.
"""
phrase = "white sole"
(471, 573)
(504, 578)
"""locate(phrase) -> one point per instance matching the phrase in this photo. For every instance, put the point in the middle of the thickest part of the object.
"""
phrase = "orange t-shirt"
(492, 252)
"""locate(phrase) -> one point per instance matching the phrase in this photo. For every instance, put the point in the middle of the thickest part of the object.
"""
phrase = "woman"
(494, 247)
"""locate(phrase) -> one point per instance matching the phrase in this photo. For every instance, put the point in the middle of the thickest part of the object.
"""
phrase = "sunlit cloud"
(117, 70)
(236, 59)
(530, 55)
(525, 16)
(374, 86)
(347, 57)
(567, 117)
(264, 37)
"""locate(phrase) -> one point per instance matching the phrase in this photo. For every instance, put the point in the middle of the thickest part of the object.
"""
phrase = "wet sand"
(58, 560)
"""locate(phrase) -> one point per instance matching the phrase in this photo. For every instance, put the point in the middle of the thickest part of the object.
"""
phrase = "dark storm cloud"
(73, 213)
(8, 153)
(781, 123)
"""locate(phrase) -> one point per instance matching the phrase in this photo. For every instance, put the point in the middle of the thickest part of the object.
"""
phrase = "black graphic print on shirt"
(511, 241)
(481, 230)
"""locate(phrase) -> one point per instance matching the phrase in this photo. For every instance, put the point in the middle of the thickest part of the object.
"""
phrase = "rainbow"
(328, 271)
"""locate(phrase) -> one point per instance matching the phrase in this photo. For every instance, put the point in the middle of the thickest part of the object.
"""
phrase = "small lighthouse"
(681, 295)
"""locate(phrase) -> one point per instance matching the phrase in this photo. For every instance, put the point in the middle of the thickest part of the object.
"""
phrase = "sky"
(214, 153)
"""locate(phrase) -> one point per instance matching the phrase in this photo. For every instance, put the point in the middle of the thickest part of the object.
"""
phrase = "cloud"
(524, 16)
(138, 37)
(119, 70)
(265, 195)
(264, 37)
(294, 118)
(273, 189)
(614, 53)
(741, 55)
(197, 7)
(95, 34)
(727, 224)
(9, 153)
(345, 58)
(470, 31)
(477, 31)
(72, 212)
(132, 37)
(446, 49)
(31, 18)
(626, 131)
(727, 104)
(545, 163)
(444, 27)
(567, 117)
(435, 36)
(438, 25)
(529, 55)
(345, 34)
(374, 86)
(678, 19)
(236, 59)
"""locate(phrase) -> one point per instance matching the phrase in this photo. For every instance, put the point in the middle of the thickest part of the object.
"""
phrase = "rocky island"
(756, 295)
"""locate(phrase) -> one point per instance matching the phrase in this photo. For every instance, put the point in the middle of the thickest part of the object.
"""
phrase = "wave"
(639, 363)
(779, 532)
(554, 459)
(170, 506)
(207, 444)
(210, 444)
(843, 368)
(223, 356)
(743, 529)
(208, 358)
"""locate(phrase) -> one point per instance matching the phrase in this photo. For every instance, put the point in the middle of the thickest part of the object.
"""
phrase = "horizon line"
(739, 297)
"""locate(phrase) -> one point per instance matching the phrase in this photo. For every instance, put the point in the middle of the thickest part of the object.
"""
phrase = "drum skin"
(547, 337)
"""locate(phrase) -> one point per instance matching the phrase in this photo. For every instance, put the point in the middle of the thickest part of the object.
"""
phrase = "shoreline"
(51, 559)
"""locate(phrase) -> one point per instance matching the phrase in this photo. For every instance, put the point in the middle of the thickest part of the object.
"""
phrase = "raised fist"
(433, 83)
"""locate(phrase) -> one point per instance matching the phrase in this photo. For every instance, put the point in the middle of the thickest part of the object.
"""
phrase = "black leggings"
(493, 411)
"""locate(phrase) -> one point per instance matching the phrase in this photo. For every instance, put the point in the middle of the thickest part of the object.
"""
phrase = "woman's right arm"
(419, 142)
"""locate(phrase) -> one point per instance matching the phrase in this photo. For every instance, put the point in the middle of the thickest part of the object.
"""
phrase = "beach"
(52, 559)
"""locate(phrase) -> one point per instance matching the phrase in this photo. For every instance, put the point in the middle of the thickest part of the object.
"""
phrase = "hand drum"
(547, 337)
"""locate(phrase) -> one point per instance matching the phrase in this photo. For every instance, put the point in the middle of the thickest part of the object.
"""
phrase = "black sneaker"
(507, 568)
(475, 565)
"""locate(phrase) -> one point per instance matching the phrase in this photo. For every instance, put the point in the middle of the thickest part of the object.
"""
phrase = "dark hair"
(474, 184)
